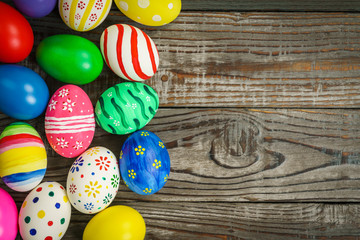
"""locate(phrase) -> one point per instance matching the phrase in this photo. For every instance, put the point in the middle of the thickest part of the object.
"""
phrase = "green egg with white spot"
(126, 107)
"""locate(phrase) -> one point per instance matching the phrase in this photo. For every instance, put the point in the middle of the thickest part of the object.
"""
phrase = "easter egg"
(69, 121)
(93, 180)
(116, 222)
(150, 12)
(84, 15)
(35, 8)
(126, 107)
(23, 93)
(16, 35)
(129, 52)
(70, 58)
(22, 157)
(144, 163)
(8, 216)
(45, 213)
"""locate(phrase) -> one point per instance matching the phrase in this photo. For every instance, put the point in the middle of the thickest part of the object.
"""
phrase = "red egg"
(16, 35)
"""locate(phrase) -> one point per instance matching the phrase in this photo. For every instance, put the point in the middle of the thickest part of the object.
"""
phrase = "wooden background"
(259, 110)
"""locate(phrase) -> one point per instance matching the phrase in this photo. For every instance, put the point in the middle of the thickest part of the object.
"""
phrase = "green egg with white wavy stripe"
(126, 107)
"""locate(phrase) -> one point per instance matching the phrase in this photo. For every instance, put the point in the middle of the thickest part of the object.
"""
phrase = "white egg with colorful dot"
(93, 180)
(45, 213)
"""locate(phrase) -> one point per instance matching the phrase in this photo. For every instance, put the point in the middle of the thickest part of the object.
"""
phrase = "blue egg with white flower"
(144, 163)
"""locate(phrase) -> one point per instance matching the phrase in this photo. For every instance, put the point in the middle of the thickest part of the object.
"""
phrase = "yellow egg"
(116, 222)
(150, 12)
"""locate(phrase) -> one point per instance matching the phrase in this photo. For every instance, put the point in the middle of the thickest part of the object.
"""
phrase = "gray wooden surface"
(259, 111)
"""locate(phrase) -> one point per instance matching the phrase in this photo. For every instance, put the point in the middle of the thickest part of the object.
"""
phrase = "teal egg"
(70, 58)
(126, 107)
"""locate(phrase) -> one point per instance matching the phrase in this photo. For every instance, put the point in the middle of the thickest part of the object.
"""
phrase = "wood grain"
(230, 59)
(236, 155)
(276, 5)
(179, 220)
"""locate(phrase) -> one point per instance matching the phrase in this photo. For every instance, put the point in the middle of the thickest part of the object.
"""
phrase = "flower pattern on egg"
(62, 143)
(139, 150)
(68, 105)
(63, 92)
(78, 163)
(115, 181)
(92, 189)
(78, 145)
(103, 163)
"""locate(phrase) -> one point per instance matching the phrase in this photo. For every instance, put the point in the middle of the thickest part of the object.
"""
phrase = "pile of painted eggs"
(70, 119)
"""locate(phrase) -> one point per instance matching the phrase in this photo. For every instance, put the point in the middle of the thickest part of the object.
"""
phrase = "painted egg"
(22, 157)
(144, 163)
(35, 8)
(129, 52)
(93, 180)
(45, 213)
(116, 222)
(8, 216)
(84, 15)
(16, 35)
(70, 58)
(126, 107)
(23, 93)
(150, 12)
(69, 121)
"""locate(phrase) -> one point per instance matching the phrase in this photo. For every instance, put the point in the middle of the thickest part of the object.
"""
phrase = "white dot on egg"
(156, 18)
(124, 6)
(71, 137)
(143, 3)
(82, 111)
(75, 95)
(83, 103)
(50, 136)
(87, 136)
(138, 17)
(171, 5)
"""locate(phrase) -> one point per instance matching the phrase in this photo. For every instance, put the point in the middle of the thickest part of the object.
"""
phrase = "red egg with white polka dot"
(45, 213)
(69, 121)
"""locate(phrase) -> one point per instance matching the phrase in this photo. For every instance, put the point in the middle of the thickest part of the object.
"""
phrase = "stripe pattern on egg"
(69, 121)
(129, 52)
(22, 157)
(84, 15)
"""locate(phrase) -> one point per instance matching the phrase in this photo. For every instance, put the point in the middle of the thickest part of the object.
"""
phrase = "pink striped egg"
(84, 15)
(129, 52)
(69, 121)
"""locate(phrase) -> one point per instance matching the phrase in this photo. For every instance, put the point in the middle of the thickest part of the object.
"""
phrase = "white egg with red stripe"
(84, 15)
(69, 121)
(129, 52)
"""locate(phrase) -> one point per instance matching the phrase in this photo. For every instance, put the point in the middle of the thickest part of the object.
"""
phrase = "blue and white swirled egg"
(144, 163)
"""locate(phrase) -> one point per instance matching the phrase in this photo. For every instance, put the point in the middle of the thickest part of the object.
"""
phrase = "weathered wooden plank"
(234, 155)
(239, 221)
(266, 5)
(241, 59)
